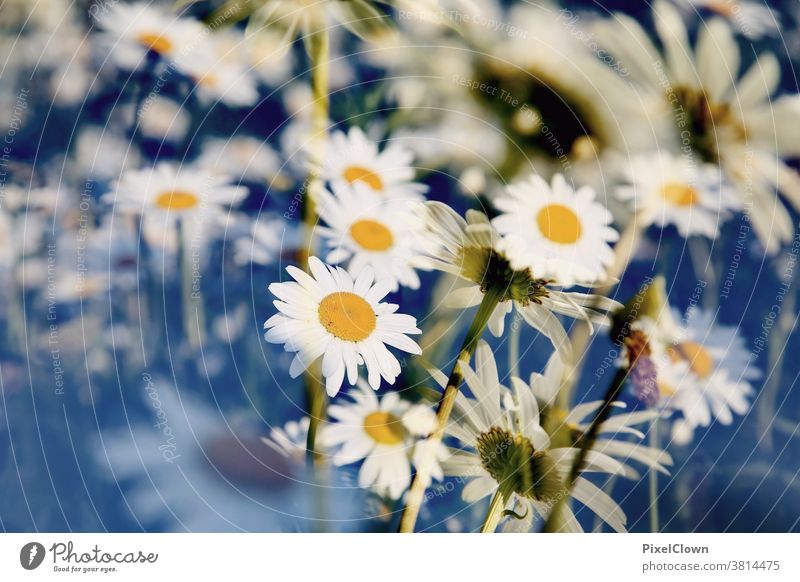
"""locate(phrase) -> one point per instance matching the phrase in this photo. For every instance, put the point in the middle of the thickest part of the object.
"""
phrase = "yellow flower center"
(371, 235)
(370, 178)
(384, 428)
(559, 224)
(666, 390)
(155, 42)
(347, 316)
(698, 358)
(680, 194)
(177, 200)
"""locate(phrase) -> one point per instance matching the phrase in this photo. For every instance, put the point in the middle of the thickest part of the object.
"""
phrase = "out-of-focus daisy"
(221, 71)
(163, 119)
(664, 189)
(131, 30)
(381, 432)
(263, 241)
(707, 374)
(243, 157)
(474, 251)
(567, 232)
(290, 440)
(366, 230)
(753, 18)
(738, 125)
(174, 191)
(506, 452)
(353, 157)
(331, 315)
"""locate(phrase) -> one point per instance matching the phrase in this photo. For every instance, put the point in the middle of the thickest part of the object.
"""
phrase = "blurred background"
(128, 406)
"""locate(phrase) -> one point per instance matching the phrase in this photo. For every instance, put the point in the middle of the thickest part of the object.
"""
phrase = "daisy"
(474, 251)
(368, 230)
(754, 19)
(506, 452)
(664, 189)
(220, 70)
(173, 191)
(133, 30)
(707, 374)
(567, 232)
(738, 126)
(243, 157)
(331, 315)
(381, 432)
(353, 157)
(566, 427)
(290, 440)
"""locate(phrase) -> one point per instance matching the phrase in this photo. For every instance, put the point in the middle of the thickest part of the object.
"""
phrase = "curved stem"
(448, 399)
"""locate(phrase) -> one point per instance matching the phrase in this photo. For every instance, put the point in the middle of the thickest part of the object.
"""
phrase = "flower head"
(384, 433)
(365, 229)
(474, 251)
(567, 232)
(330, 315)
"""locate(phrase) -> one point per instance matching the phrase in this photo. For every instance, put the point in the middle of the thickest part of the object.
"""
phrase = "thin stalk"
(495, 512)
(448, 399)
(586, 442)
(513, 345)
(653, 478)
(320, 56)
(579, 338)
(191, 298)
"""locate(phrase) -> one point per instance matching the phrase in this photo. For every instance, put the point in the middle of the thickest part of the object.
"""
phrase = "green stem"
(586, 442)
(513, 345)
(653, 478)
(320, 56)
(495, 512)
(448, 399)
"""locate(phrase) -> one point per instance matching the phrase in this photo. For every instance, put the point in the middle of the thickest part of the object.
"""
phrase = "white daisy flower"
(353, 157)
(220, 70)
(383, 433)
(664, 189)
(474, 251)
(243, 157)
(754, 19)
(507, 452)
(131, 30)
(290, 440)
(707, 374)
(331, 315)
(368, 230)
(738, 125)
(567, 232)
(173, 191)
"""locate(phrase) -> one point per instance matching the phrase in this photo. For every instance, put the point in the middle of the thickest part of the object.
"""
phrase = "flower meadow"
(399, 266)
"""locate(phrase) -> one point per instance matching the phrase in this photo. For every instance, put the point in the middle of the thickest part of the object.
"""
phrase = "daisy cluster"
(295, 264)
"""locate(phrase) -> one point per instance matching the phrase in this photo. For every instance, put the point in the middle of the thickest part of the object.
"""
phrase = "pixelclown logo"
(31, 555)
